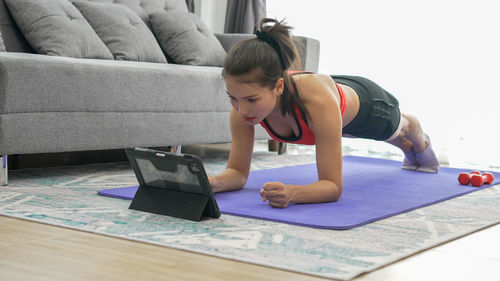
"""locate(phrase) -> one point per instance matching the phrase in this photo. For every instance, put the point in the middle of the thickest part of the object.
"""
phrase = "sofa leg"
(272, 145)
(282, 148)
(4, 180)
(175, 149)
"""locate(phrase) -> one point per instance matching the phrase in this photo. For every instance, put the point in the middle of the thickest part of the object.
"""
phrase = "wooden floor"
(34, 251)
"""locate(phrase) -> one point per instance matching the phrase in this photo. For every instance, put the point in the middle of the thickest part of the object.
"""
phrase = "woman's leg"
(410, 162)
(416, 146)
(378, 111)
(410, 135)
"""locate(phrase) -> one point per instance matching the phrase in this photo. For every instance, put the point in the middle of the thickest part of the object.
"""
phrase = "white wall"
(213, 13)
(439, 58)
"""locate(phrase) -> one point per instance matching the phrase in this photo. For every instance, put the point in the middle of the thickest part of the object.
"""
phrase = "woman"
(307, 108)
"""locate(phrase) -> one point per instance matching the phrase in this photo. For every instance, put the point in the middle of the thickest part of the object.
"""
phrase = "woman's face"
(253, 102)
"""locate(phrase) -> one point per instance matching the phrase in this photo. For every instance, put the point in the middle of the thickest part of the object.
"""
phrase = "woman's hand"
(213, 182)
(276, 193)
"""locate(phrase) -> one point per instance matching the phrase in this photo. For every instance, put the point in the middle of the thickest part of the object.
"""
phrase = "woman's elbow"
(336, 192)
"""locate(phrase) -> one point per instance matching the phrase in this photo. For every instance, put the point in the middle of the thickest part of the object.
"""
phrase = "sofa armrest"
(228, 40)
(308, 48)
(309, 53)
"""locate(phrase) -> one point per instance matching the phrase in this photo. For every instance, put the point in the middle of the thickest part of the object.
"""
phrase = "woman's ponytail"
(279, 37)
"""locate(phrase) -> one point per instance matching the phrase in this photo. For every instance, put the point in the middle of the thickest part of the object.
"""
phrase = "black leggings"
(378, 116)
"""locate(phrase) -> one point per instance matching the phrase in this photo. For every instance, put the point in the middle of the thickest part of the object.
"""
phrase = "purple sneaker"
(427, 159)
(410, 162)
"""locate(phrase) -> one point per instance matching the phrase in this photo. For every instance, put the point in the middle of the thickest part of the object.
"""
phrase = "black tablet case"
(171, 184)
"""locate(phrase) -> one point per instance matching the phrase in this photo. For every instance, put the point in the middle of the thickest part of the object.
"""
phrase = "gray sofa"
(60, 104)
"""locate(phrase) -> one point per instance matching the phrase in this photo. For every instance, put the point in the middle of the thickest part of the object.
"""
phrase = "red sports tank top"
(306, 135)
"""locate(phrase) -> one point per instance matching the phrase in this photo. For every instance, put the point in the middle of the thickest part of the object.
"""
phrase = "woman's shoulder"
(313, 80)
(313, 86)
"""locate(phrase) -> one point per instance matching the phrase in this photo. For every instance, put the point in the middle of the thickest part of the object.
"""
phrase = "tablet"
(172, 184)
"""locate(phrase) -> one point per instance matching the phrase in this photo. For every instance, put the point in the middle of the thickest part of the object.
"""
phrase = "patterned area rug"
(67, 196)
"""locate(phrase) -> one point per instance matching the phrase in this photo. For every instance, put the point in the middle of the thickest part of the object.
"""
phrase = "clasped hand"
(276, 193)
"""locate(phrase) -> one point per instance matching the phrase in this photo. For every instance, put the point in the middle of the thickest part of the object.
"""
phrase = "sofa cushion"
(13, 39)
(143, 8)
(123, 31)
(186, 39)
(2, 46)
(56, 27)
(39, 83)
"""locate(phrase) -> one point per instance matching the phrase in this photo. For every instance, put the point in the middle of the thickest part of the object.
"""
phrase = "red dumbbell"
(464, 178)
(479, 180)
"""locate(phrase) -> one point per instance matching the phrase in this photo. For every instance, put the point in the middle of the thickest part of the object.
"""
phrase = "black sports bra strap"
(296, 92)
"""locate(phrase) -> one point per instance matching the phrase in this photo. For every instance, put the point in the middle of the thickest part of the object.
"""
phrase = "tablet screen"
(178, 178)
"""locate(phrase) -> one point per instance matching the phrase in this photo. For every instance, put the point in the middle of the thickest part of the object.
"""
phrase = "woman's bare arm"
(236, 173)
(326, 123)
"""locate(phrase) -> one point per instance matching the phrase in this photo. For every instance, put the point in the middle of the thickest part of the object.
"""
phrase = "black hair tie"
(262, 35)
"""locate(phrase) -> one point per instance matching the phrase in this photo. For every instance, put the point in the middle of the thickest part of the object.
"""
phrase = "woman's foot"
(410, 162)
(427, 159)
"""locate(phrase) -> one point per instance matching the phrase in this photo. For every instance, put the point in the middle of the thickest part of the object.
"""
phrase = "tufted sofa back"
(15, 42)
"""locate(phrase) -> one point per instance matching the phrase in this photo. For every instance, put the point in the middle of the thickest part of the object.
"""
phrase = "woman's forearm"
(230, 179)
(319, 192)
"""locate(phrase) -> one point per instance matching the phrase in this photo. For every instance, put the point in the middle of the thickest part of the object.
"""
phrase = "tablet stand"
(185, 205)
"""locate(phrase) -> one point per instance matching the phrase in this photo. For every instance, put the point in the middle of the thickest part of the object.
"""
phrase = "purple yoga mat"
(374, 189)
